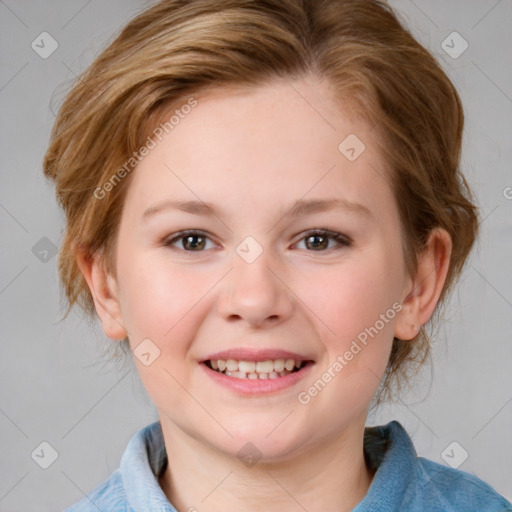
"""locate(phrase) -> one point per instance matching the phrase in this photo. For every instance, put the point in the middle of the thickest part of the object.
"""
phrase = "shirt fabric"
(403, 482)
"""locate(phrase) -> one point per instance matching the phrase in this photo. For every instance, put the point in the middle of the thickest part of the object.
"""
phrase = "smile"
(267, 369)
(256, 372)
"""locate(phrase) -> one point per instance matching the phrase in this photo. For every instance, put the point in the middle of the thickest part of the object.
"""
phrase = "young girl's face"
(260, 279)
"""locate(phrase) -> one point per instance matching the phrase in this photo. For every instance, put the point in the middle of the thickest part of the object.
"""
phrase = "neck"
(330, 476)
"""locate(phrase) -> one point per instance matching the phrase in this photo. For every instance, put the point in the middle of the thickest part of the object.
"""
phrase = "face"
(292, 251)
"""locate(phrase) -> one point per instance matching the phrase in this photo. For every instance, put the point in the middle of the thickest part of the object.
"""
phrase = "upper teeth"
(268, 366)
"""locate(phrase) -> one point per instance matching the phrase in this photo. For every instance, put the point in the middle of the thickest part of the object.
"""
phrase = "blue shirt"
(403, 482)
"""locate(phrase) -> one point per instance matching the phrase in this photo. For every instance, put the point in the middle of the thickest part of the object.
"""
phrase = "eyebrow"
(300, 207)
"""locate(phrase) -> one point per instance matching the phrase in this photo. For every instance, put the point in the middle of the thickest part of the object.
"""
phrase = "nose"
(255, 293)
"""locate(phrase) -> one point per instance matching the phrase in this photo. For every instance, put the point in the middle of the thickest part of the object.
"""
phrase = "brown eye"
(318, 241)
(191, 241)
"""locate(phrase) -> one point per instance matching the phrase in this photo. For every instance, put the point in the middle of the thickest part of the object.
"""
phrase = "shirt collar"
(387, 448)
(141, 464)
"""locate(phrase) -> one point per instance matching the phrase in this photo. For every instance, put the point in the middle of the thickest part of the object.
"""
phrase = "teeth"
(289, 364)
(264, 366)
(268, 369)
(246, 366)
(279, 365)
(232, 365)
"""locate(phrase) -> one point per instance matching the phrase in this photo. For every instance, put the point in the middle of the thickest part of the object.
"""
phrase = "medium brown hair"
(180, 47)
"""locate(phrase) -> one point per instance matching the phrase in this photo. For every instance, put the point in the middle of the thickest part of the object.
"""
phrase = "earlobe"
(424, 291)
(105, 293)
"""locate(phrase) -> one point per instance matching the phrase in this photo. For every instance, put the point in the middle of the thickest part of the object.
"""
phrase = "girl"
(264, 204)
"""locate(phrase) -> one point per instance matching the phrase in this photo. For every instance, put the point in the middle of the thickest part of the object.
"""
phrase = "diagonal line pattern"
(14, 423)
(426, 478)
(492, 286)
(13, 77)
(199, 403)
(384, 178)
(83, 493)
(309, 104)
(14, 218)
(488, 215)
(486, 14)
(412, 412)
(114, 318)
(424, 14)
(501, 409)
(13, 279)
(404, 404)
(286, 491)
(98, 97)
(217, 486)
(75, 15)
(492, 81)
(101, 398)
(14, 14)
(165, 165)
(279, 424)
(14, 485)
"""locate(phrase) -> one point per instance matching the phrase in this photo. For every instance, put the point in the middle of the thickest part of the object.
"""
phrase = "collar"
(387, 448)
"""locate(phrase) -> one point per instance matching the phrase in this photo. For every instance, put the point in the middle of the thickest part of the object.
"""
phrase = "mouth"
(254, 370)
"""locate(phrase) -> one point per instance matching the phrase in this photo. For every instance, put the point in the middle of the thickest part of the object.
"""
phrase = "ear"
(105, 293)
(423, 292)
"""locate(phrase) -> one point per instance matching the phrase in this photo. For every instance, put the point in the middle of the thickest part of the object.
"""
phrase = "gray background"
(52, 387)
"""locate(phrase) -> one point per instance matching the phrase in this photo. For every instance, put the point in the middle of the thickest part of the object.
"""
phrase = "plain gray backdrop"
(52, 388)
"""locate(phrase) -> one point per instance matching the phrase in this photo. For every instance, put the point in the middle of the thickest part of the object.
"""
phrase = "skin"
(252, 153)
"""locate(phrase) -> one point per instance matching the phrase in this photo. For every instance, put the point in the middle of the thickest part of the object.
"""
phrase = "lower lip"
(257, 386)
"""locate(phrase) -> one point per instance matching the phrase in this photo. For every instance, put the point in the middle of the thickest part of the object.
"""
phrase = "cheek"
(159, 300)
(165, 304)
(351, 297)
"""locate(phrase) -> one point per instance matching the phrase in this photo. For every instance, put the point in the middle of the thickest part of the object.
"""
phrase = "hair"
(178, 48)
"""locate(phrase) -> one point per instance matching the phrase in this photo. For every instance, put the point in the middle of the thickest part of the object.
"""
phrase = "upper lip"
(247, 354)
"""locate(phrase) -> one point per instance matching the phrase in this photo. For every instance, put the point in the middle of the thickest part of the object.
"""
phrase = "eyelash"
(342, 240)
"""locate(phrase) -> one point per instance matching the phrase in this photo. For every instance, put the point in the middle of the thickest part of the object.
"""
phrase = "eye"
(191, 241)
(318, 240)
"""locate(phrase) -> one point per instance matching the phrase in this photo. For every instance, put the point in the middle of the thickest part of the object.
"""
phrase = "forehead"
(263, 146)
